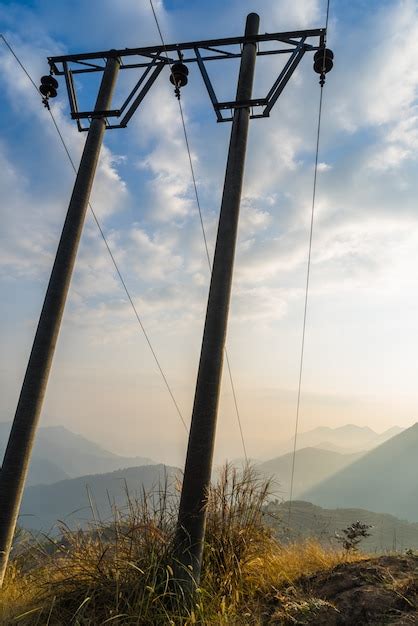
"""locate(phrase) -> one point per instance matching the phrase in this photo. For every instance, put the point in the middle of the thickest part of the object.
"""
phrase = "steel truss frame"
(153, 59)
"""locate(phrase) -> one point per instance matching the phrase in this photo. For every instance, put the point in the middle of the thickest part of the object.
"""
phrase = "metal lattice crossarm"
(152, 59)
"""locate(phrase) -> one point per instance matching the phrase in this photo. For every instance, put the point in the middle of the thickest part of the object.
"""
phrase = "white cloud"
(365, 216)
(324, 167)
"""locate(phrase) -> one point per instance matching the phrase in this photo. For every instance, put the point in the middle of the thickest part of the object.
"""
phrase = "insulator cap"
(323, 61)
(48, 86)
(179, 73)
(50, 81)
(48, 92)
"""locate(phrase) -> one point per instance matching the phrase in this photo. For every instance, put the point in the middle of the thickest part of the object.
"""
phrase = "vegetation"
(353, 535)
(389, 533)
(120, 573)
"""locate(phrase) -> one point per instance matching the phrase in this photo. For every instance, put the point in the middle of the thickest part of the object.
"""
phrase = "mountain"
(68, 455)
(388, 434)
(44, 472)
(325, 445)
(70, 500)
(345, 439)
(383, 480)
(307, 520)
(312, 465)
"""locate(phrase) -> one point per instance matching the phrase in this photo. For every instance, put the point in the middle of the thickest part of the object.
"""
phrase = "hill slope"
(388, 533)
(68, 455)
(68, 500)
(372, 591)
(44, 472)
(383, 480)
(312, 465)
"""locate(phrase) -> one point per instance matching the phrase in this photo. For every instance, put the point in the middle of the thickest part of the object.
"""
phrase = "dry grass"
(121, 573)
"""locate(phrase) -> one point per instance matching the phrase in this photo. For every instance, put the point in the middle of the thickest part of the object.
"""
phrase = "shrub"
(353, 535)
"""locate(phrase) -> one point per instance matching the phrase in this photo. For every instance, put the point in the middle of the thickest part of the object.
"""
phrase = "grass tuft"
(121, 572)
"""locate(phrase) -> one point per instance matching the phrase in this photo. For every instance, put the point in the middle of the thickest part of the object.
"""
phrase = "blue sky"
(361, 343)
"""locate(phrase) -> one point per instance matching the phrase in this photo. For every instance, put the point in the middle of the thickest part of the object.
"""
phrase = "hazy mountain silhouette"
(69, 501)
(345, 439)
(68, 455)
(384, 480)
(44, 472)
(325, 445)
(312, 465)
(307, 520)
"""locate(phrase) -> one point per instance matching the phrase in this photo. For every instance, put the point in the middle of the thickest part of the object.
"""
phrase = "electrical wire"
(228, 364)
(115, 264)
(308, 271)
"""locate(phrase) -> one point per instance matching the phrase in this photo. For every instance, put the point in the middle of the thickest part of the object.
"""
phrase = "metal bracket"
(153, 59)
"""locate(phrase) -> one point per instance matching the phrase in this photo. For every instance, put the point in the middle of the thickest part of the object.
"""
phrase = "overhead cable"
(302, 350)
(115, 264)
(228, 364)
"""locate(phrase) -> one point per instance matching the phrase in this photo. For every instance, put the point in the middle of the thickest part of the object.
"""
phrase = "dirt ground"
(382, 590)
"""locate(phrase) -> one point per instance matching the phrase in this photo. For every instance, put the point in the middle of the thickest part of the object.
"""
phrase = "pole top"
(252, 24)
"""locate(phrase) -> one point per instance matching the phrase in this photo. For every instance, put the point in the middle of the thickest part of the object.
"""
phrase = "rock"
(382, 590)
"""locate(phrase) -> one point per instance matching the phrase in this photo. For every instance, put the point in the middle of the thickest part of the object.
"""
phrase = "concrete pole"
(188, 546)
(17, 456)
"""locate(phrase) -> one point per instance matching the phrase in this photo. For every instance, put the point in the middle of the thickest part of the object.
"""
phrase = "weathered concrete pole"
(22, 436)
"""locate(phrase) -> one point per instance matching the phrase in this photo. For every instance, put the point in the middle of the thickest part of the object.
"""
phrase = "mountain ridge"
(70, 454)
(71, 500)
(312, 465)
(308, 520)
(383, 480)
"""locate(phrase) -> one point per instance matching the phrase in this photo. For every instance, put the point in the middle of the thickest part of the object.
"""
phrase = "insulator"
(48, 86)
(179, 73)
(48, 92)
(323, 60)
(50, 81)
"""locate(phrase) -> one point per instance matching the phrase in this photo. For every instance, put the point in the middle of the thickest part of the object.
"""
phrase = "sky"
(360, 358)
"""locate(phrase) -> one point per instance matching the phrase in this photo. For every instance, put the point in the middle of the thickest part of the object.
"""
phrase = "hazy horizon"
(276, 449)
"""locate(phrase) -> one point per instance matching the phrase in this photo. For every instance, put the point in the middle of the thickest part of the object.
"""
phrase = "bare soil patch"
(377, 591)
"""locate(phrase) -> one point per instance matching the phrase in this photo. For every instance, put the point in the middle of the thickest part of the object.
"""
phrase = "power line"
(302, 351)
(119, 273)
(234, 395)
(19, 62)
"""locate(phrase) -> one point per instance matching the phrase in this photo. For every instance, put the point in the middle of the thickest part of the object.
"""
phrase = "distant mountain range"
(381, 477)
(58, 454)
(321, 453)
(344, 439)
(383, 480)
(312, 466)
(388, 533)
(71, 501)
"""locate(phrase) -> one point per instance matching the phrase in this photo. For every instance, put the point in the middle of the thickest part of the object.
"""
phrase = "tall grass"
(121, 572)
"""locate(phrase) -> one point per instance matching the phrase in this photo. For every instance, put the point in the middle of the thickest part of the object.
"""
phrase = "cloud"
(32, 222)
(324, 167)
(365, 215)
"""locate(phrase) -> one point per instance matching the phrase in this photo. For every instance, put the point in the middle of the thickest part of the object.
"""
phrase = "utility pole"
(147, 63)
(17, 456)
(190, 532)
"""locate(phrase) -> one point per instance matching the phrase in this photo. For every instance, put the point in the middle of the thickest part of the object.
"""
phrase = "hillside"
(68, 500)
(68, 455)
(373, 591)
(307, 520)
(44, 472)
(312, 465)
(122, 574)
(344, 439)
(383, 480)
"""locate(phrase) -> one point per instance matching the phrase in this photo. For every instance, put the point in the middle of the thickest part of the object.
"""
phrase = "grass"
(121, 572)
